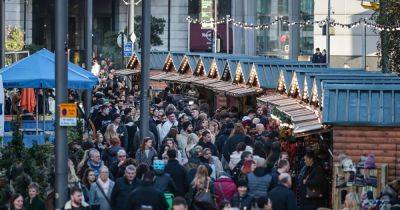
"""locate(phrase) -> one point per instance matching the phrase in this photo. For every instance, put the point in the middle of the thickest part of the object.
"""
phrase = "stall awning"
(303, 119)
(209, 83)
(126, 72)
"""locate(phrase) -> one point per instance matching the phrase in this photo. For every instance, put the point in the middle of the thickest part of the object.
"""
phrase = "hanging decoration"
(362, 21)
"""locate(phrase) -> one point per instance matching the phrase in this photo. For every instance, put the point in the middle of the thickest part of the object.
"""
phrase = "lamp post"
(294, 16)
(61, 147)
(144, 82)
(88, 51)
(328, 35)
(2, 33)
(169, 25)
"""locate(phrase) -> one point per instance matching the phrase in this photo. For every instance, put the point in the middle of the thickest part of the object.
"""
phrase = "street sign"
(68, 114)
(128, 49)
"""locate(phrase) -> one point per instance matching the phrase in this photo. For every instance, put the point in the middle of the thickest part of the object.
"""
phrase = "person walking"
(177, 172)
(33, 202)
(317, 57)
(16, 202)
(163, 181)
(259, 182)
(281, 196)
(100, 191)
(146, 152)
(242, 199)
(311, 184)
(77, 201)
(201, 183)
(146, 195)
(123, 186)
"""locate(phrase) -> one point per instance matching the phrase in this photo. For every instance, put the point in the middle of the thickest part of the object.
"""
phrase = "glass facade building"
(275, 40)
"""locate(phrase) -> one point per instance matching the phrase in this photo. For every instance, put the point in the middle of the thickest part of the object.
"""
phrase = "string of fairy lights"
(367, 22)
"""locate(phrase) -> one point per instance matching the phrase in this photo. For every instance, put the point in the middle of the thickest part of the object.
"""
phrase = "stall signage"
(68, 114)
(207, 13)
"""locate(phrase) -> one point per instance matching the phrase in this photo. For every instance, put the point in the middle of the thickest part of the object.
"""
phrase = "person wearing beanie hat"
(242, 199)
(163, 180)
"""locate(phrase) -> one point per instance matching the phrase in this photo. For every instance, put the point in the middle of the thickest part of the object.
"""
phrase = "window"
(224, 8)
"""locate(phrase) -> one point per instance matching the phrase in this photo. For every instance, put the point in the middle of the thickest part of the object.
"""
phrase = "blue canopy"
(38, 71)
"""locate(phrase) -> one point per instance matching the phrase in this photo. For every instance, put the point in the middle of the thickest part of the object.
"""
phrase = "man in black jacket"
(123, 186)
(281, 196)
(177, 172)
(163, 181)
(242, 199)
(147, 196)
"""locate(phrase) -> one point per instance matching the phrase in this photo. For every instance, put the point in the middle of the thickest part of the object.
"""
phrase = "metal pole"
(144, 82)
(188, 40)
(169, 25)
(2, 33)
(44, 112)
(61, 147)
(131, 19)
(364, 47)
(87, 102)
(37, 113)
(294, 29)
(328, 35)
(122, 51)
(215, 26)
(227, 34)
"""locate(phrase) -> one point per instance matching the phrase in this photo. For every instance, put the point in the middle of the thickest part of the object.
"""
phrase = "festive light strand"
(282, 20)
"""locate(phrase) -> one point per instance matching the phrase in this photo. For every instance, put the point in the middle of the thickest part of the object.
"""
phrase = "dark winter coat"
(142, 158)
(282, 198)
(165, 183)
(314, 177)
(258, 183)
(37, 204)
(179, 175)
(210, 146)
(121, 191)
(146, 195)
(242, 202)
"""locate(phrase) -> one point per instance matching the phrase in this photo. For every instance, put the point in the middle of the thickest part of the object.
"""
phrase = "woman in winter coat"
(100, 191)
(201, 182)
(88, 178)
(213, 162)
(224, 189)
(235, 156)
(238, 135)
(146, 152)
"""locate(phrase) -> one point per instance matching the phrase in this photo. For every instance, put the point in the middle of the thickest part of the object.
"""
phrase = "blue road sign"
(128, 49)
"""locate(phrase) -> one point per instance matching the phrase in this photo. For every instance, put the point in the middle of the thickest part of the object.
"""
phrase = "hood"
(260, 171)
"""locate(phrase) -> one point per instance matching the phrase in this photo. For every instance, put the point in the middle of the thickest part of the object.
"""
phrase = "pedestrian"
(202, 184)
(103, 118)
(16, 202)
(205, 142)
(120, 129)
(323, 56)
(164, 130)
(147, 195)
(259, 182)
(110, 155)
(117, 169)
(100, 191)
(281, 196)
(213, 162)
(177, 173)
(111, 132)
(179, 203)
(77, 202)
(283, 166)
(123, 186)
(224, 188)
(182, 138)
(311, 184)
(237, 170)
(317, 57)
(193, 139)
(235, 157)
(33, 202)
(88, 178)
(238, 135)
(146, 152)
(163, 181)
(95, 162)
(242, 199)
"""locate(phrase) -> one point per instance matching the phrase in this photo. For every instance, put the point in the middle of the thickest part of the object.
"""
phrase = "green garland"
(282, 116)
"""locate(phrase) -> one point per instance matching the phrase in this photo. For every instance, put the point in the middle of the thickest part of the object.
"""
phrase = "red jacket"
(224, 189)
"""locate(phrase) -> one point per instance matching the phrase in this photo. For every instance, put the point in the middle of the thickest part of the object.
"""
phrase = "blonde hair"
(201, 178)
(352, 201)
(192, 141)
(110, 133)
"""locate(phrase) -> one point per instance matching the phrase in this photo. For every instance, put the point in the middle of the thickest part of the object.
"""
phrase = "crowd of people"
(191, 158)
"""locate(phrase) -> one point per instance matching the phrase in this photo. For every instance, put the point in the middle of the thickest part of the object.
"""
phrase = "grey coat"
(97, 197)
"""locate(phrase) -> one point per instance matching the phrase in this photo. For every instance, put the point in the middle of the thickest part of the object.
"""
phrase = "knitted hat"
(241, 183)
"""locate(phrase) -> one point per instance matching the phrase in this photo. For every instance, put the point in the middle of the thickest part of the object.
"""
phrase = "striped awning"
(213, 84)
(304, 119)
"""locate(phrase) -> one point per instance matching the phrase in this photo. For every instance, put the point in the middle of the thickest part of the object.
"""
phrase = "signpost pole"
(123, 46)
(88, 52)
(188, 39)
(328, 35)
(215, 26)
(61, 147)
(2, 33)
(144, 82)
(227, 34)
